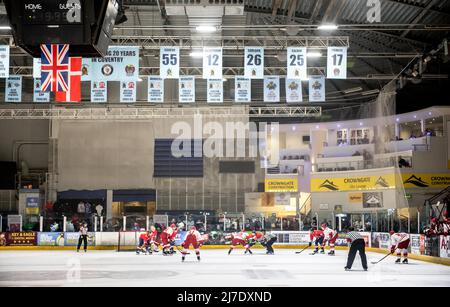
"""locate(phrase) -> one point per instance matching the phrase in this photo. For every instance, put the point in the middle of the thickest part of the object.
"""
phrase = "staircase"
(438, 204)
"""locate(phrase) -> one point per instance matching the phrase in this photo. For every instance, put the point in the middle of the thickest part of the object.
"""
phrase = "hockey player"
(154, 242)
(330, 237)
(144, 243)
(400, 243)
(253, 238)
(317, 236)
(167, 237)
(193, 238)
(267, 241)
(239, 239)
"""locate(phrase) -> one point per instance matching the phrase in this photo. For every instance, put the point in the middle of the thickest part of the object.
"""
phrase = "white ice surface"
(109, 268)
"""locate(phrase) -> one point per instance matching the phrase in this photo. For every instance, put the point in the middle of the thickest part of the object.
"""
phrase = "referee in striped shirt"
(357, 245)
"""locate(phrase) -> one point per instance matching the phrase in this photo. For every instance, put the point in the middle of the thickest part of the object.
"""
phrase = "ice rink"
(109, 268)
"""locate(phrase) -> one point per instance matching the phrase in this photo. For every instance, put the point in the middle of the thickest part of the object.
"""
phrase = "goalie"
(193, 238)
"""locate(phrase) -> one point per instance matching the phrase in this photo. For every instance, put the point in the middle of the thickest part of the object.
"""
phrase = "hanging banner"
(337, 63)
(38, 94)
(155, 90)
(13, 89)
(32, 206)
(242, 89)
(272, 89)
(120, 64)
(316, 89)
(37, 68)
(254, 62)
(186, 89)
(4, 61)
(296, 63)
(212, 63)
(294, 91)
(354, 183)
(169, 62)
(99, 91)
(128, 91)
(281, 185)
(86, 65)
(215, 91)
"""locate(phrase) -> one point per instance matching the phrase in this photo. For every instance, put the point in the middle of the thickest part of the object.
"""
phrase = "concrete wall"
(105, 155)
(119, 155)
(12, 132)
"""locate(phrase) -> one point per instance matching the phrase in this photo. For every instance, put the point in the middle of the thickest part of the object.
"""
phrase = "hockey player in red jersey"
(330, 237)
(399, 244)
(239, 239)
(144, 243)
(193, 238)
(167, 237)
(252, 239)
(317, 237)
(154, 242)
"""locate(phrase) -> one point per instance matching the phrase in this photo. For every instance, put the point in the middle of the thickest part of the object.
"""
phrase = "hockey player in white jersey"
(399, 244)
(330, 237)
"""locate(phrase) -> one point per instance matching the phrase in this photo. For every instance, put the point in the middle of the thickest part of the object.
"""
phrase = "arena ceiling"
(394, 48)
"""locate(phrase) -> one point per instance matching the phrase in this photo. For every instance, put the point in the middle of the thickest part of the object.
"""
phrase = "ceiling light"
(327, 27)
(353, 90)
(206, 29)
(366, 93)
(196, 54)
(313, 54)
(5, 28)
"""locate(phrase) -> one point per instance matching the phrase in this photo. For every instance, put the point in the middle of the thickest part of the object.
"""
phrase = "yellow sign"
(281, 185)
(355, 198)
(426, 180)
(353, 183)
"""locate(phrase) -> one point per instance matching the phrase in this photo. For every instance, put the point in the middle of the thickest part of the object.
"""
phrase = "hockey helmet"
(391, 232)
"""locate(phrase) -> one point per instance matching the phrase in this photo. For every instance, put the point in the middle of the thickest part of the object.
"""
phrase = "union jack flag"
(55, 68)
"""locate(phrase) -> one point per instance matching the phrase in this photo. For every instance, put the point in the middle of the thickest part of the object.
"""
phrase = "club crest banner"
(120, 64)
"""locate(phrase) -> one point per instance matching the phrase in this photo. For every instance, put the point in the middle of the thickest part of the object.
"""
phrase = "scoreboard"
(52, 12)
(86, 25)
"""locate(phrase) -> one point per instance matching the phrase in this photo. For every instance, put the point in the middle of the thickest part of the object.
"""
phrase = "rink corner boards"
(431, 259)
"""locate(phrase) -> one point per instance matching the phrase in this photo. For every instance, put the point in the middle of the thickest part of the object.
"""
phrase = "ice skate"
(398, 260)
(331, 253)
(405, 261)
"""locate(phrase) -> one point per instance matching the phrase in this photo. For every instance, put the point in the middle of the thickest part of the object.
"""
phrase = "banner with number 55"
(337, 63)
(169, 63)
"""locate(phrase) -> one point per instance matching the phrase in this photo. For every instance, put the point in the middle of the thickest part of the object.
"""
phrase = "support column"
(318, 137)
(422, 126)
(109, 201)
(397, 130)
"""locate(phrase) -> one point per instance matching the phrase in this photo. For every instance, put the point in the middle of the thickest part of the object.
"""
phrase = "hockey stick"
(303, 250)
(181, 251)
(375, 262)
